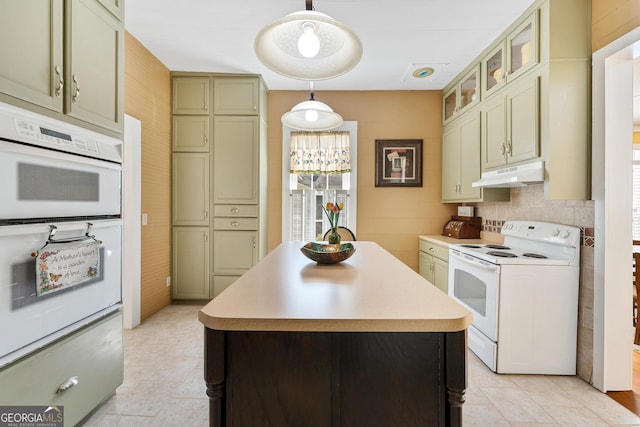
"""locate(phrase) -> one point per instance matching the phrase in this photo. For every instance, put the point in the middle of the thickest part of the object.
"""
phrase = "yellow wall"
(611, 19)
(148, 98)
(392, 217)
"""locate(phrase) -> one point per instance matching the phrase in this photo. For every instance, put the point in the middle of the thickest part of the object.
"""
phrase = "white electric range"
(523, 295)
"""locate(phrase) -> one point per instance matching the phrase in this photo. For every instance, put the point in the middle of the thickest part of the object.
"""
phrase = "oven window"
(37, 182)
(470, 290)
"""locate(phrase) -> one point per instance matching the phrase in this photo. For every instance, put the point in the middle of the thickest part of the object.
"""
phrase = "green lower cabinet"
(190, 276)
(91, 361)
(220, 283)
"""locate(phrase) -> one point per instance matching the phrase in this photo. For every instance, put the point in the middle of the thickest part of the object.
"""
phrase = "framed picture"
(398, 163)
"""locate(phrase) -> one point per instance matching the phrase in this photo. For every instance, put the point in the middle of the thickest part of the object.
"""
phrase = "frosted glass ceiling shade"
(327, 49)
(312, 115)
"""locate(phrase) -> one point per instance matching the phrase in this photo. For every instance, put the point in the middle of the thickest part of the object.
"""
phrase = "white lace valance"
(320, 152)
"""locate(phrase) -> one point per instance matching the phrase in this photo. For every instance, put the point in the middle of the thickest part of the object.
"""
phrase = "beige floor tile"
(515, 405)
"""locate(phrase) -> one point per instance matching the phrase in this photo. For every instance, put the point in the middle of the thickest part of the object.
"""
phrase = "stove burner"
(532, 255)
(471, 246)
(496, 247)
(502, 254)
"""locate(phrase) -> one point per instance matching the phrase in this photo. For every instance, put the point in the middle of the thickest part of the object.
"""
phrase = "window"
(308, 190)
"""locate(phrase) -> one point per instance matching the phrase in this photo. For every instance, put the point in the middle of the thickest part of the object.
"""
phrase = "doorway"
(611, 186)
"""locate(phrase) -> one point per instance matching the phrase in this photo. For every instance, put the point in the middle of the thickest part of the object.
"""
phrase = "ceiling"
(398, 36)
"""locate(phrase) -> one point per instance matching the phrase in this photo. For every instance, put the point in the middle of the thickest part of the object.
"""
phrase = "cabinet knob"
(508, 150)
(206, 140)
(235, 210)
(76, 95)
(503, 150)
(235, 223)
(58, 91)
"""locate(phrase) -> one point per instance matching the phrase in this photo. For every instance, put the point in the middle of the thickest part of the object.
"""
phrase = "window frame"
(352, 128)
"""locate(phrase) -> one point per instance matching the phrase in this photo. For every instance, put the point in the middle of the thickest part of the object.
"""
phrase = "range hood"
(512, 176)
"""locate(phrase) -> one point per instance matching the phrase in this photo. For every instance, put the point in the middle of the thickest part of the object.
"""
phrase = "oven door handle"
(473, 261)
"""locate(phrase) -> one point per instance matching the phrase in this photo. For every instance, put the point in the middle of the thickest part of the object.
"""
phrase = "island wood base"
(335, 379)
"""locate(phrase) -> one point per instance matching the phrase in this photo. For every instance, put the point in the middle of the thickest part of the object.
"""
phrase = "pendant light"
(308, 45)
(312, 115)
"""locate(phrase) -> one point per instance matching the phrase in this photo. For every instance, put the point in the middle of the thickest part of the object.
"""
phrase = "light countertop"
(371, 291)
(444, 240)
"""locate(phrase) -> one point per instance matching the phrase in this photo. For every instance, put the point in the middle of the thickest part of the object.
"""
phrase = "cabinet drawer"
(94, 355)
(236, 210)
(438, 251)
(235, 223)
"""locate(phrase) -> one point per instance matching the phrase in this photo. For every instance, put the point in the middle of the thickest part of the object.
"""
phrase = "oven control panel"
(55, 139)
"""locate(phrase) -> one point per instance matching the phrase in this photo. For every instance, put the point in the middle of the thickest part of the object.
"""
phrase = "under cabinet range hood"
(512, 176)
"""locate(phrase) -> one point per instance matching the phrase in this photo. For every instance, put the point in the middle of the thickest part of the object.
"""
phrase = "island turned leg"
(456, 372)
(214, 374)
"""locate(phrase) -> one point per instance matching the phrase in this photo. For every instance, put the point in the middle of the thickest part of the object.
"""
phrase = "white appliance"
(523, 295)
(512, 176)
(61, 188)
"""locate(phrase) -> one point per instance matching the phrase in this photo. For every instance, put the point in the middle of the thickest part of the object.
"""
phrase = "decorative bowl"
(323, 253)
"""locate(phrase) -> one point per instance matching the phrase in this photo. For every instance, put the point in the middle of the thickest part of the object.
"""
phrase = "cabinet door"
(31, 65)
(441, 274)
(449, 104)
(493, 70)
(190, 189)
(494, 133)
(94, 65)
(235, 159)
(450, 162)
(190, 95)
(524, 120)
(190, 133)
(425, 265)
(469, 156)
(116, 7)
(522, 47)
(220, 283)
(234, 252)
(236, 95)
(190, 277)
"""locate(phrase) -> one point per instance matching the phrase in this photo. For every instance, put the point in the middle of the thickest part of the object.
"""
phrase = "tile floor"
(163, 386)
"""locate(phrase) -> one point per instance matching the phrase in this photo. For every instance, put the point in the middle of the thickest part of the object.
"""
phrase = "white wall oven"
(523, 295)
(60, 229)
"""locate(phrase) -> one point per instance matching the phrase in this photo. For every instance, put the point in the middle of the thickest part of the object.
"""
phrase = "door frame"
(612, 144)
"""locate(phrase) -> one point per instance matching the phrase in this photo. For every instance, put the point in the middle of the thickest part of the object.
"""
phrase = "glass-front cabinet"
(512, 56)
(522, 43)
(493, 70)
(465, 93)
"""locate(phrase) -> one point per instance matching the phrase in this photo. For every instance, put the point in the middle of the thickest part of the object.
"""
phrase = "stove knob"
(565, 234)
(556, 232)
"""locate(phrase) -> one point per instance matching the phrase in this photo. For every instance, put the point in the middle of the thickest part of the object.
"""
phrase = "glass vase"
(334, 236)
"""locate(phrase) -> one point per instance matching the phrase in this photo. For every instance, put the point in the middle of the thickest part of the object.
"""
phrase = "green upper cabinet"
(94, 65)
(34, 27)
(511, 125)
(511, 56)
(190, 95)
(236, 96)
(461, 162)
(116, 7)
(462, 96)
(66, 57)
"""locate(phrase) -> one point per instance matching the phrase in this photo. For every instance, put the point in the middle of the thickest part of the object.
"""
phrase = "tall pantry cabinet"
(218, 180)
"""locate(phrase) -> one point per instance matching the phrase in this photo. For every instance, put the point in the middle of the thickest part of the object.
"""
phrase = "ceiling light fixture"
(312, 115)
(308, 45)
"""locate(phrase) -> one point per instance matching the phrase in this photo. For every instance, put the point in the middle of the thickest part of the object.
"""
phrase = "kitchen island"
(367, 342)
